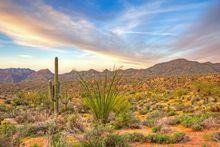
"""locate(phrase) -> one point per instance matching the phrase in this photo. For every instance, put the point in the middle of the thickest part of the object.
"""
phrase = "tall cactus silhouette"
(54, 89)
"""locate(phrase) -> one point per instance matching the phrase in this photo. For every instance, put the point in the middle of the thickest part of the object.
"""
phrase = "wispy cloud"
(36, 24)
(203, 38)
(39, 25)
(143, 33)
(25, 56)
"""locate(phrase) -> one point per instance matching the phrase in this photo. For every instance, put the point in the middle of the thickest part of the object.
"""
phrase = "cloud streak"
(25, 56)
(203, 38)
(36, 24)
(126, 38)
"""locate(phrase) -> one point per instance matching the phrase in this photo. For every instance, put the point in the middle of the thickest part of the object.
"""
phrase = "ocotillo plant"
(54, 89)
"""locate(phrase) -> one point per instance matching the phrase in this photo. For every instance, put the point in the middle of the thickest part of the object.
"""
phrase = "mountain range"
(175, 67)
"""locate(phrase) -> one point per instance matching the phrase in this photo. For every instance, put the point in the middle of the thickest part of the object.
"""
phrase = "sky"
(100, 34)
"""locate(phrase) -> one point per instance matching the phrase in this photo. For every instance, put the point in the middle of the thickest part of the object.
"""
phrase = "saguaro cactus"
(54, 89)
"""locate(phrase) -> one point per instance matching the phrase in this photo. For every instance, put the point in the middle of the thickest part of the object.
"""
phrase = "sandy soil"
(40, 141)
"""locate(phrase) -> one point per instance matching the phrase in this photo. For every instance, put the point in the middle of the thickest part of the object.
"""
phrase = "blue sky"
(99, 34)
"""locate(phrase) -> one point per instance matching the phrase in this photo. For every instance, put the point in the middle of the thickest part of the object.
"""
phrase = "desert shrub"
(97, 130)
(58, 140)
(32, 130)
(96, 142)
(3, 108)
(193, 121)
(49, 128)
(126, 120)
(18, 102)
(5, 141)
(149, 122)
(207, 88)
(30, 116)
(134, 137)
(166, 121)
(215, 136)
(180, 92)
(7, 129)
(34, 145)
(31, 99)
(197, 127)
(165, 139)
(74, 123)
(159, 138)
(101, 136)
(111, 140)
(102, 96)
(171, 113)
(6, 135)
(156, 114)
(210, 123)
(156, 129)
(115, 141)
(215, 107)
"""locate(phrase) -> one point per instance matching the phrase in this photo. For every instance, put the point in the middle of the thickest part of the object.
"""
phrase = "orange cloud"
(39, 25)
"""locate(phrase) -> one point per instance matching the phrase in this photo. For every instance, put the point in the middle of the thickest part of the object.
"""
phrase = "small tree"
(102, 95)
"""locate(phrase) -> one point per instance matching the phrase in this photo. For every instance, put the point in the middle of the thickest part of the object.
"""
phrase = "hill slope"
(172, 68)
(182, 67)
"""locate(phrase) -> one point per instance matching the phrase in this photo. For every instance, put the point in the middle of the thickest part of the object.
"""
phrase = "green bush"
(126, 120)
(165, 139)
(7, 129)
(115, 141)
(144, 111)
(96, 142)
(193, 121)
(156, 129)
(4, 108)
(32, 130)
(58, 140)
(179, 92)
(207, 88)
(74, 124)
(197, 127)
(159, 138)
(135, 137)
(149, 122)
(111, 140)
(31, 99)
(34, 145)
(215, 136)
(6, 135)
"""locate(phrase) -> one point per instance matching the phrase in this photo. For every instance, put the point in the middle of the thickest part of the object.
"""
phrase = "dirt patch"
(2, 102)
(143, 130)
(40, 141)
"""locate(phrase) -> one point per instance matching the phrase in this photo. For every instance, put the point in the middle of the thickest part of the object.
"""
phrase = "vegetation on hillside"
(112, 110)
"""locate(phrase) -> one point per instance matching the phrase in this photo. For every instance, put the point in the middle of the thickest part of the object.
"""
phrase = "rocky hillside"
(182, 67)
(171, 68)
(14, 75)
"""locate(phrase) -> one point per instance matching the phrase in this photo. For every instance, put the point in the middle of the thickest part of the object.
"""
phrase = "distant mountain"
(172, 68)
(43, 74)
(14, 75)
(182, 67)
